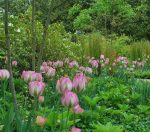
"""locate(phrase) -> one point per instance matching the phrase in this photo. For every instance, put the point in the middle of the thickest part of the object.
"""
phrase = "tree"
(33, 36)
(8, 47)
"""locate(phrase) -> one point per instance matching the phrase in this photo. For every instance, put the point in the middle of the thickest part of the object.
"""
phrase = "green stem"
(4, 90)
(74, 118)
(67, 116)
(62, 124)
(36, 104)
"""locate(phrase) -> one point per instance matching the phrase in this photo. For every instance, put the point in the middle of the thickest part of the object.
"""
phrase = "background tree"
(8, 47)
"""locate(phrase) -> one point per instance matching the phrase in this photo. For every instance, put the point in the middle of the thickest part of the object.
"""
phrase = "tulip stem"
(62, 121)
(4, 89)
(67, 116)
(74, 118)
(36, 104)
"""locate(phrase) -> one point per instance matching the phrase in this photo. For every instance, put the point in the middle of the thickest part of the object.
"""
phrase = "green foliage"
(74, 10)
(107, 128)
(139, 49)
(83, 20)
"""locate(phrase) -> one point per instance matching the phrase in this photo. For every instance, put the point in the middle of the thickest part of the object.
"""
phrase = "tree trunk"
(11, 83)
(40, 57)
(33, 36)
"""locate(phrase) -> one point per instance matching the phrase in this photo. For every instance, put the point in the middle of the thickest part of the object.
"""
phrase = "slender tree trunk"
(40, 57)
(33, 36)
(105, 24)
(11, 83)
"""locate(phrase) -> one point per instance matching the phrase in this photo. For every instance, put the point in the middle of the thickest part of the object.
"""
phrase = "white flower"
(10, 24)
(18, 30)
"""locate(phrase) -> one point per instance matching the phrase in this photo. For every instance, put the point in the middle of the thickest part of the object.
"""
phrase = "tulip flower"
(74, 129)
(79, 82)
(88, 70)
(94, 63)
(82, 69)
(36, 88)
(44, 64)
(51, 72)
(63, 84)
(58, 64)
(14, 63)
(102, 57)
(73, 64)
(69, 99)
(31, 76)
(44, 68)
(4, 74)
(40, 121)
(77, 109)
(49, 63)
(41, 99)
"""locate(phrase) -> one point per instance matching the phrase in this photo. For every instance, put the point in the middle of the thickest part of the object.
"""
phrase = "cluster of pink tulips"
(69, 89)
(69, 98)
(65, 86)
(102, 61)
(36, 84)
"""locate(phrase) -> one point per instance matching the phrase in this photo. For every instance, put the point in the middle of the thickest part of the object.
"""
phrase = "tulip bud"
(4, 74)
(40, 121)
(63, 84)
(77, 109)
(94, 63)
(88, 70)
(36, 88)
(69, 99)
(51, 72)
(74, 129)
(79, 82)
(14, 63)
(41, 99)
(31, 76)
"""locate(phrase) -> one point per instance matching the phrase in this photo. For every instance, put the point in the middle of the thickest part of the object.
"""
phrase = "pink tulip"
(4, 74)
(88, 70)
(41, 99)
(40, 121)
(74, 129)
(36, 88)
(49, 63)
(77, 109)
(44, 64)
(94, 63)
(27, 75)
(51, 72)
(63, 84)
(69, 98)
(44, 68)
(73, 64)
(14, 63)
(31, 76)
(79, 82)
(82, 69)
(58, 64)
(37, 77)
